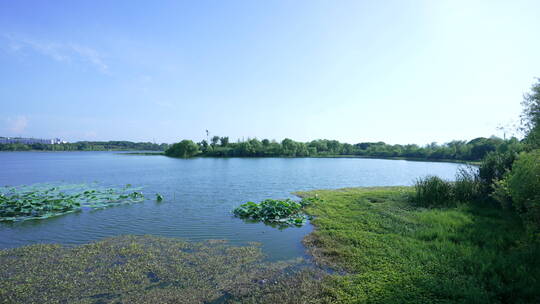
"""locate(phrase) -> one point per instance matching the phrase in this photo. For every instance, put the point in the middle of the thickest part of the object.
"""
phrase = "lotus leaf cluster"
(284, 212)
(41, 201)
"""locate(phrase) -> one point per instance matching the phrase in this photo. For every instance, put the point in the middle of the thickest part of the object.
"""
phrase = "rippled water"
(199, 194)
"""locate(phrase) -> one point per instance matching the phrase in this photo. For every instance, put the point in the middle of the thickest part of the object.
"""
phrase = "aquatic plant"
(150, 269)
(284, 212)
(159, 197)
(41, 201)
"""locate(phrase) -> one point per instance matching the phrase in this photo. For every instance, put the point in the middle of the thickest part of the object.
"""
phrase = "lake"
(199, 194)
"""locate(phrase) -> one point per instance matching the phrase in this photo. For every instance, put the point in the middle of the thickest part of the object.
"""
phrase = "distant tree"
(289, 147)
(265, 142)
(203, 145)
(224, 141)
(185, 149)
(214, 141)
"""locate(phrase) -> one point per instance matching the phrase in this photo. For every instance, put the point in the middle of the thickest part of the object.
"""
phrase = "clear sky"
(394, 71)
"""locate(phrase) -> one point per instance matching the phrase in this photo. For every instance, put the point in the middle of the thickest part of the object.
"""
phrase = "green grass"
(378, 245)
(393, 252)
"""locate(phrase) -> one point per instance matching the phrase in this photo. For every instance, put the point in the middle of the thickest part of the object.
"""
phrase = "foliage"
(432, 191)
(87, 146)
(494, 167)
(41, 201)
(393, 252)
(467, 186)
(149, 269)
(184, 149)
(473, 150)
(501, 193)
(530, 116)
(524, 187)
(284, 212)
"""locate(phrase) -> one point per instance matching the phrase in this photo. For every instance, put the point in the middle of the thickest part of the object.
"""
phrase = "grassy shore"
(373, 244)
(393, 252)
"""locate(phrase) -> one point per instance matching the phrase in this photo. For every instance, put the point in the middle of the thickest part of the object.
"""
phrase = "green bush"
(524, 188)
(494, 167)
(467, 186)
(501, 193)
(432, 191)
(185, 148)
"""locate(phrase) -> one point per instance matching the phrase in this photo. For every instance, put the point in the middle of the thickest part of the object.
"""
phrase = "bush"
(185, 148)
(467, 186)
(524, 187)
(501, 193)
(494, 167)
(432, 191)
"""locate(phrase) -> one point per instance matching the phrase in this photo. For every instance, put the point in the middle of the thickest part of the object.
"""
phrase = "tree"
(185, 149)
(214, 140)
(203, 145)
(530, 117)
(224, 141)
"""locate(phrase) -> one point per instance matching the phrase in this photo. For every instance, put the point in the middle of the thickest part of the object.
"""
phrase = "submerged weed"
(150, 269)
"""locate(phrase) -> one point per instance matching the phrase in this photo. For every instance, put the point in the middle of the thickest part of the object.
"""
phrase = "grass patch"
(40, 201)
(394, 252)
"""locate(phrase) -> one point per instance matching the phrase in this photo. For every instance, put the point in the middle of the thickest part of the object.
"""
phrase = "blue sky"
(396, 71)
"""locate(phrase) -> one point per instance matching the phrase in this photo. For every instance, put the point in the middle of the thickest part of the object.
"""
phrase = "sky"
(356, 71)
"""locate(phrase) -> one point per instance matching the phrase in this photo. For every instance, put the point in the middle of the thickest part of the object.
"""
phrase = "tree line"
(86, 146)
(473, 150)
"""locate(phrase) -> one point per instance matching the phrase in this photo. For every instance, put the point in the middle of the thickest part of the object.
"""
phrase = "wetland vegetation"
(41, 201)
(472, 240)
(281, 212)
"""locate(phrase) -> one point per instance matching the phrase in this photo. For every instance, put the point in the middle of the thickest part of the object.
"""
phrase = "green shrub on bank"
(433, 191)
(524, 187)
(467, 187)
(494, 167)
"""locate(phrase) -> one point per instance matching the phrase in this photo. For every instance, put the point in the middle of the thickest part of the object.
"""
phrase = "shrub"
(185, 148)
(432, 191)
(524, 187)
(493, 168)
(467, 186)
(501, 193)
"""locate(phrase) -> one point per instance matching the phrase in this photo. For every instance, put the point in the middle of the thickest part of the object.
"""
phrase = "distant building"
(29, 141)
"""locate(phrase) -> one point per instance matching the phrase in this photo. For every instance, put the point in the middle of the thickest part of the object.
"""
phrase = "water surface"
(199, 194)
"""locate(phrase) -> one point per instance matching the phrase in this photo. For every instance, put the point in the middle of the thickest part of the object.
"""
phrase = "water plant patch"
(41, 201)
(283, 212)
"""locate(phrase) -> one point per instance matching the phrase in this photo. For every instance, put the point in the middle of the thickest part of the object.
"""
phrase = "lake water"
(199, 194)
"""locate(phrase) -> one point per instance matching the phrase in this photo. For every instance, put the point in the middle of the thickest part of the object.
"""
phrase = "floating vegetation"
(283, 212)
(150, 269)
(159, 197)
(41, 201)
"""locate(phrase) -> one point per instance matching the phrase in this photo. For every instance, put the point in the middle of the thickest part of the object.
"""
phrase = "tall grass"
(433, 191)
